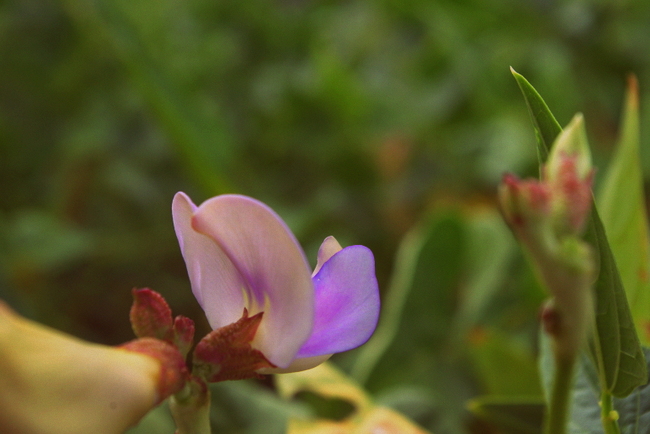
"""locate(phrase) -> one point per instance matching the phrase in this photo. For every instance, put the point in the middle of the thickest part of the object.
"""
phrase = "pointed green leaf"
(616, 346)
(633, 410)
(622, 207)
(546, 127)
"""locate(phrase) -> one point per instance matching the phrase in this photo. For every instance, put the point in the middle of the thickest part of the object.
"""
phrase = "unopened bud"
(572, 142)
(183, 334)
(150, 315)
(525, 203)
(569, 174)
(547, 217)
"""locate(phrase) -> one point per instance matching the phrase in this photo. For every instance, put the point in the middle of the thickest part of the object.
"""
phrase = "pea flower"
(243, 261)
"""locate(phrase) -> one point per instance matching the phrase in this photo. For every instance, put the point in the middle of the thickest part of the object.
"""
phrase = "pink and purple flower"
(241, 255)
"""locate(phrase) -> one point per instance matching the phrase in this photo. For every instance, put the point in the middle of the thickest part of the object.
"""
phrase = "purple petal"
(274, 270)
(347, 303)
(214, 279)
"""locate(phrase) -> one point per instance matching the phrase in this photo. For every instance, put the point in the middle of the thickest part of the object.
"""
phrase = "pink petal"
(329, 247)
(215, 281)
(347, 303)
(270, 267)
(296, 365)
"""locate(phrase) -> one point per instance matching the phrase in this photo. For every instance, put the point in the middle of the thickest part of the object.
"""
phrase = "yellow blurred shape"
(53, 383)
(329, 382)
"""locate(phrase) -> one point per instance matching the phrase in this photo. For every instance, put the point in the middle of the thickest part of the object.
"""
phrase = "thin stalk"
(190, 408)
(608, 415)
(556, 419)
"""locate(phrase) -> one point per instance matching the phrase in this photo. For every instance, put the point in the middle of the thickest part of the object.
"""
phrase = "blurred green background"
(367, 120)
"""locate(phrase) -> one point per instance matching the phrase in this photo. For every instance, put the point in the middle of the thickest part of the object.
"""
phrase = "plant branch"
(190, 408)
(557, 416)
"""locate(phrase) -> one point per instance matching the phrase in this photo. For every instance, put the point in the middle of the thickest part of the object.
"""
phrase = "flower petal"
(347, 303)
(329, 247)
(296, 365)
(55, 383)
(272, 266)
(214, 279)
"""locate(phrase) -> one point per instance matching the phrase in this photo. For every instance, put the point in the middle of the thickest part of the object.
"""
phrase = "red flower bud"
(150, 315)
(183, 334)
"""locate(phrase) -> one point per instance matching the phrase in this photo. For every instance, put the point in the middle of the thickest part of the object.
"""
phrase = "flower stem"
(556, 419)
(190, 408)
(608, 415)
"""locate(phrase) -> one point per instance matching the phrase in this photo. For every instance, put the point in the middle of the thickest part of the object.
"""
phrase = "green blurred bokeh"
(358, 119)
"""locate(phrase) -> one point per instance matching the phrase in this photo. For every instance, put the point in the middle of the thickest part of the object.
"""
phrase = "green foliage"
(451, 252)
(618, 351)
(633, 410)
(355, 119)
(622, 206)
(338, 405)
(248, 406)
(491, 352)
(616, 347)
(546, 127)
(514, 415)
(426, 271)
(200, 138)
(159, 420)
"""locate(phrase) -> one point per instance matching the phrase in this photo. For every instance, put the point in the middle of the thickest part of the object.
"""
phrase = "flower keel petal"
(272, 266)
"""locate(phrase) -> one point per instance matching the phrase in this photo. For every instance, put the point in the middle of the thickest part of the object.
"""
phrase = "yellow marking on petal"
(261, 332)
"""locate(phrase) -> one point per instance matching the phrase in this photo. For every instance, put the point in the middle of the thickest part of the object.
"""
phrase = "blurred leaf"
(417, 402)
(622, 207)
(201, 139)
(448, 272)
(247, 406)
(513, 415)
(326, 408)
(419, 305)
(327, 381)
(237, 407)
(491, 352)
(420, 343)
(38, 242)
(633, 410)
(157, 421)
(490, 250)
(616, 348)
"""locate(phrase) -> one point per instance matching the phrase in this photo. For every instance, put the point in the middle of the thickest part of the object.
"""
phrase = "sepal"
(183, 334)
(173, 371)
(226, 353)
(151, 316)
